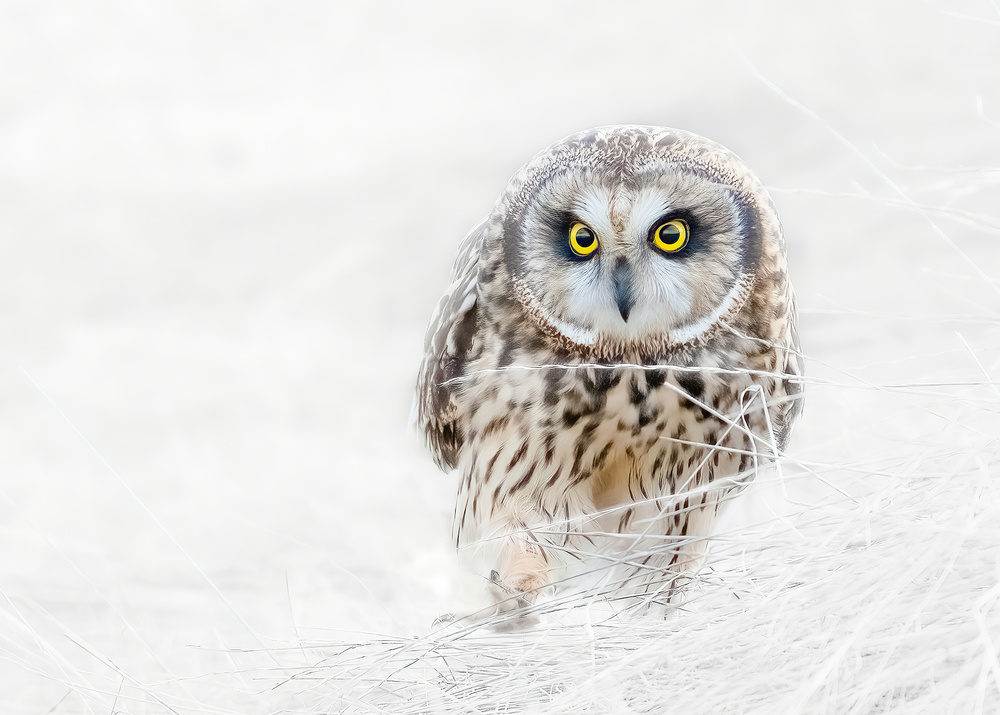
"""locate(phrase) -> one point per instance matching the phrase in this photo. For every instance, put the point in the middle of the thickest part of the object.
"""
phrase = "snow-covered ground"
(223, 227)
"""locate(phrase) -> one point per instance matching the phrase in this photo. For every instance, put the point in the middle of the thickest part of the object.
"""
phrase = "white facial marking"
(731, 302)
(649, 205)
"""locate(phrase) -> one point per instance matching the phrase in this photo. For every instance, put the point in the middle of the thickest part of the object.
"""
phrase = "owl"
(616, 355)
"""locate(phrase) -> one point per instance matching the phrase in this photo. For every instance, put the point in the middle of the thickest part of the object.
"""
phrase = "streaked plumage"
(598, 389)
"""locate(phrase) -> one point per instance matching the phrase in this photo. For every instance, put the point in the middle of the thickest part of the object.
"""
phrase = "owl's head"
(632, 239)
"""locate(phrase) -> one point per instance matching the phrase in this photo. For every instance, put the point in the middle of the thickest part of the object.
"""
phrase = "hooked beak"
(621, 277)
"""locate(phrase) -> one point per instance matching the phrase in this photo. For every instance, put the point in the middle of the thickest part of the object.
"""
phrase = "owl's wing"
(448, 347)
(788, 411)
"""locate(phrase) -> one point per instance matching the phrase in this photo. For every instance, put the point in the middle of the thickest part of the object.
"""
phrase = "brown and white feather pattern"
(610, 447)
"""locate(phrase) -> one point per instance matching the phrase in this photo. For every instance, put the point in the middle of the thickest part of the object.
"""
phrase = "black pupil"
(669, 233)
(584, 238)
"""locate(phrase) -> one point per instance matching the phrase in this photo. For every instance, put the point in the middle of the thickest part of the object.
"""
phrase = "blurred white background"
(223, 226)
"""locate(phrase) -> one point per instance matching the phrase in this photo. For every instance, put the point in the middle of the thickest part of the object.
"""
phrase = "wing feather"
(449, 345)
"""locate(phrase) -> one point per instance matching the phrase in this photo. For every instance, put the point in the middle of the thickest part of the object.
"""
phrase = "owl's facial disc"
(661, 256)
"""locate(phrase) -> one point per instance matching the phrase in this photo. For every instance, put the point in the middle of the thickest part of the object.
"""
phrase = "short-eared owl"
(617, 352)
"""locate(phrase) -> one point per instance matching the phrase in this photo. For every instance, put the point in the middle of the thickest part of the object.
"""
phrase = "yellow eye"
(582, 241)
(671, 236)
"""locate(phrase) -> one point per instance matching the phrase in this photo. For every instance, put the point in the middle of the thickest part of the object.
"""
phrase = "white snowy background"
(223, 226)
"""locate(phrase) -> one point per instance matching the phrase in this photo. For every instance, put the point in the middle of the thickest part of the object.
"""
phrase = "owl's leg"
(516, 570)
(515, 566)
(522, 572)
(507, 539)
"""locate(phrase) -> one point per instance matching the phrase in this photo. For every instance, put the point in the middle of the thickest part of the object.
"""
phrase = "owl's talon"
(517, 594)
